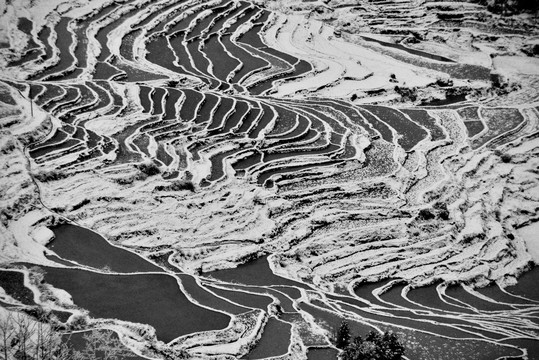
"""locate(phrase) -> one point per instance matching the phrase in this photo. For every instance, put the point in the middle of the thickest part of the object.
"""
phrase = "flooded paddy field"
(232, 179)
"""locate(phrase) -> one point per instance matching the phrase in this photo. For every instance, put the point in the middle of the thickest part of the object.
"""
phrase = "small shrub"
(506, 158)
(442, 211)
(406, 93)
(443, 214)
(37, 276)
(78, 322)
(38, 312)
(177, 185)
(124, 181)
(257, 200)
(51, 175)
(425, 214)
(8, 147)
(148, 168)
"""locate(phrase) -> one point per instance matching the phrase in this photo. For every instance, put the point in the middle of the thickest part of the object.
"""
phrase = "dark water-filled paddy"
(474, 127)
(322, 353)
(410, 131)
(243, 298)
(249, 120)
(527, 285)
(159, 53)
(409, 50)
(217, 166)
(393, 297)
(154, 299)
(247, 161)
(204, 297)
(136, 298)
(428, 297)
(219, 111)
(331, 321)
(13, 284)
(274, 341)
(89, 248)
(493, 291)
(423, 118)
(51, 92)
(208, 106)
(224, 110)
(264, 121)
(223, 64)
(105, 71)
(293, 171)
(170, 104)
(459, 293)
(531, 345)
(64, 40)
(192, 100)
(102, 95)
(255, 272)
(250, 63)
(240, 111)
(379, 126)
(365, 291)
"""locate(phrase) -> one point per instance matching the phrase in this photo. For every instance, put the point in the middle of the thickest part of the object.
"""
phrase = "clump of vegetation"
(177, 185)
(78, 322)
(425, 214)
(444, 82)
(7, 147)
(375, 345)
(441, 210)
(49, 175)
(509, 7)
(438, 211)
(406, 93)
(505, 157)
(128, 180)
(148, 168)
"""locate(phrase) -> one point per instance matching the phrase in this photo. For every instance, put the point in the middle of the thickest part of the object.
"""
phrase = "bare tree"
(49, 344)
(24, 338)
(24, 330)
(102, 344)
(21, 337)
(7, 330)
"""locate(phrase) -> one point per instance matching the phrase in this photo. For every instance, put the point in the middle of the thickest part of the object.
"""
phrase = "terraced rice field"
(251, 178)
